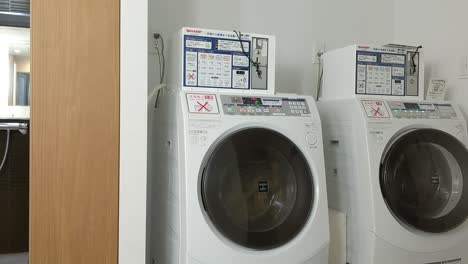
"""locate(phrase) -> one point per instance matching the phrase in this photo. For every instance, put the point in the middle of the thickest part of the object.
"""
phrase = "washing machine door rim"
(257, 188)
(424, 180)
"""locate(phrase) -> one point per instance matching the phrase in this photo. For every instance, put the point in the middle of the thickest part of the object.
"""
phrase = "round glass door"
(423, 180)
(257, 188)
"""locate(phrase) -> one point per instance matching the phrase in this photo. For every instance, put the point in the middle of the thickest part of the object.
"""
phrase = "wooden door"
(74, 131)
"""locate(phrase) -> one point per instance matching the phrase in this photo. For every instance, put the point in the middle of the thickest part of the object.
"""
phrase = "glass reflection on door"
(14, 66)
(424, 180)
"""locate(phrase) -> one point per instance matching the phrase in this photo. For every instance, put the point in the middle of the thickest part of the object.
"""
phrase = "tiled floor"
(14, 259)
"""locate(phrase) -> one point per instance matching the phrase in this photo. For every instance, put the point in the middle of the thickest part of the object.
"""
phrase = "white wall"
(439, 26)
(298, 24)
(133, 123)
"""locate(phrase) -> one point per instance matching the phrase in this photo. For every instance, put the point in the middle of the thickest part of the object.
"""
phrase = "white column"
(133, 130)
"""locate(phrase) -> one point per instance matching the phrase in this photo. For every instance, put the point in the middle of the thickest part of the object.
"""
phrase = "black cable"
(256, 64)
(163, 60)
(161, 57)
(158, 53)
(319, 85)
(413, 66)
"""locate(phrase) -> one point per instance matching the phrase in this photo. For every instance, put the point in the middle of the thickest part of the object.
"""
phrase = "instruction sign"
(380, 73)
(437, 90)
(214, 59)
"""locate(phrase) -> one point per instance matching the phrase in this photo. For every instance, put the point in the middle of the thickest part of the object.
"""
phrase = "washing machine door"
(424, 181)
(257, 188)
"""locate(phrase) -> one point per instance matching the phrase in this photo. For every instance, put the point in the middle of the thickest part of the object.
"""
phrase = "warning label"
(202, 103)
(263, 187)
(375, 109)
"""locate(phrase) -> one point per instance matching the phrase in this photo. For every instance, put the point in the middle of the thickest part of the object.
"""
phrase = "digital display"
(252, 101)
(272, 102)
(427, 107)
(411, 106)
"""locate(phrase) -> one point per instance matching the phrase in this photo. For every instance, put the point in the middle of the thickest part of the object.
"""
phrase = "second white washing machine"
(399, 170)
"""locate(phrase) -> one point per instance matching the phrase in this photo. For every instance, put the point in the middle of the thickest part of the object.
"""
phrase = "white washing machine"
(399, 170)
(237, 179)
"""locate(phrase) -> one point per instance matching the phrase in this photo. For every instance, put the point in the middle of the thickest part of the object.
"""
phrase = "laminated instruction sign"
(214, 59)
(437, 90)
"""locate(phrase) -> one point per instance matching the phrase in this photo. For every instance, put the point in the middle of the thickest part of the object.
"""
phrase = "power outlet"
(318, 48)
(151, 48)
(152, 41)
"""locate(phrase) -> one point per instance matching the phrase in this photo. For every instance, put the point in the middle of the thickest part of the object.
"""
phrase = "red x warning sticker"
(375, 109)
(202, 104)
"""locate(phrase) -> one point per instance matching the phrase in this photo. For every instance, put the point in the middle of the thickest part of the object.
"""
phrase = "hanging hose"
(6, 149)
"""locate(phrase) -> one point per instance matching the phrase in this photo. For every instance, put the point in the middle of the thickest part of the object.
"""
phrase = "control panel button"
(311, 139)
(418, 110)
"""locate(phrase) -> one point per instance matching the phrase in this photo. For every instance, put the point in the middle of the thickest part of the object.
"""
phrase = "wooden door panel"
(74, 131)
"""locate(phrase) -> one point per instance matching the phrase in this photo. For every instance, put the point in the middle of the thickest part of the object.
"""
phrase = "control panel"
(363, 71)
(227, 60)
(423, 110)
(387, 71)
(264, 106)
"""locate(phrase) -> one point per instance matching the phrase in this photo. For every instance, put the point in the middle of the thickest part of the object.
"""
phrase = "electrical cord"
(161, 57)
(413, 63)
(256, 64)
(6, 149)
(319, 86)
(320, 77)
